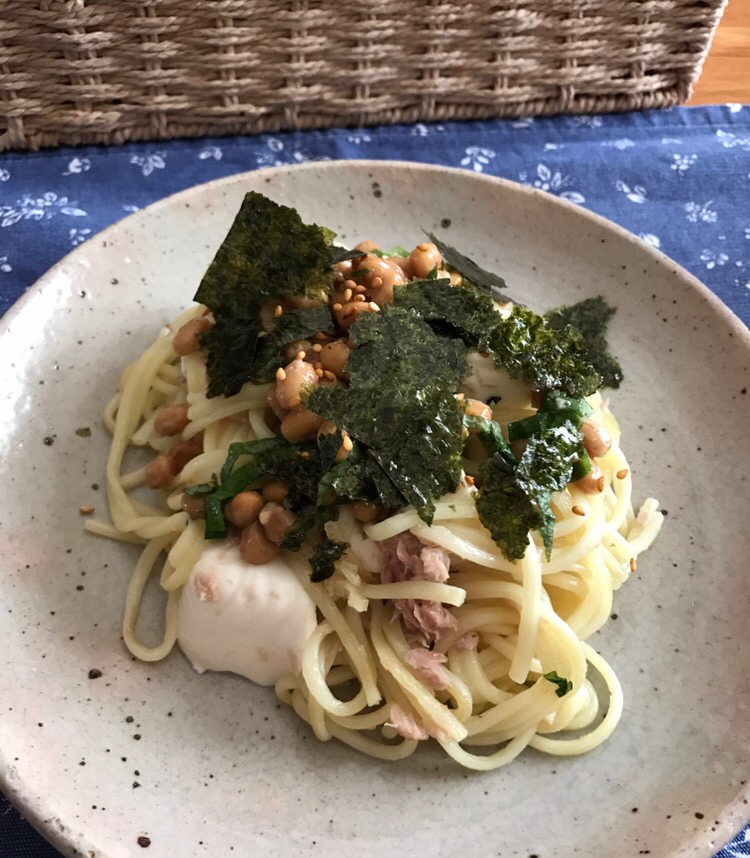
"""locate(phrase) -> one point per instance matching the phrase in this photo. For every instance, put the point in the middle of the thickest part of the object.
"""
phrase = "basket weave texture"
(102, 71)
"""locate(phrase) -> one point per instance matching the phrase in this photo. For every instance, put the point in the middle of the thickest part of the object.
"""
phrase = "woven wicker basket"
(100, 71)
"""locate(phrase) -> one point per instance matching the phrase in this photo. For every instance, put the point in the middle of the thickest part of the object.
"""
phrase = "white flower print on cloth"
(279, 154)
(149, 163)
(78, 236)
(747, 233)
(621, 143)
(77, 165)
(636, 194)
(211, 152)
(713, 259)
(477, 157)
(734, 108)
(358, 137)
(729, 140)
(667, 140)
(551, 147)
(588, 121)
(526, 122)
(682, 163)
(697, 212)
(422, 130)
(553, 183)
(5, 266)
(131, 209)
(41, 208)
(4, 174)
(650, 238)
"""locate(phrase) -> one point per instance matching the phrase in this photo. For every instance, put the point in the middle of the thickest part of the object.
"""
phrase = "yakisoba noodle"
(515, 622)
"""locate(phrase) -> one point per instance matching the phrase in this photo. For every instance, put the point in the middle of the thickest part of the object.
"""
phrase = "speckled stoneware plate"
(212, 765)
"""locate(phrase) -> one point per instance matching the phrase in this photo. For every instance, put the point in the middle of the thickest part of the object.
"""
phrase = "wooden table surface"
(726, 72)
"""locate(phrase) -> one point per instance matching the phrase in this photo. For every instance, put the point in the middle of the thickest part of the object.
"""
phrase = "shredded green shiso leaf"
(399, 407)
(564, 686)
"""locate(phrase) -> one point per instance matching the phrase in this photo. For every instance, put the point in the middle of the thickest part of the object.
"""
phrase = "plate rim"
(32, 809)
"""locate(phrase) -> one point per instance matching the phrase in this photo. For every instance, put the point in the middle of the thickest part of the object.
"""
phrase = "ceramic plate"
(212, 765)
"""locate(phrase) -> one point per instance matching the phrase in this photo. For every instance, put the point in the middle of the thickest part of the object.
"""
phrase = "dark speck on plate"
(144, 842)
(94, 673)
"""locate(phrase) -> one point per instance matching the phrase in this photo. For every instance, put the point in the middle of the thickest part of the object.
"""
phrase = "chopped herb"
(292, 325)
(202, 489)
(360, 273)
(400, 403)
(590, 318)
(557, 409)
(554, 400)
(489, 433)
(484, 280)
(515, 498)
(564, 686)
(83, 432)
(397, 250)
(324, 558)
(581, 467)
(267, 253)
(297, 466)
(248, 448)
(432, 274)
(213, 510)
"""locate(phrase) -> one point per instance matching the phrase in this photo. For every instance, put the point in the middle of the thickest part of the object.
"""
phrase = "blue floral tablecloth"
(680, 179)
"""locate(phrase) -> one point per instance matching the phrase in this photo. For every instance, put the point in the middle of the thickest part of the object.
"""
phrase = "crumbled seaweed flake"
(526, 346)
(308, 518)
(267, 253)
(591, 317)
(360, 477)
(329, 444)
(291, 326)
(523, 343)
(490, 283)
(450, 311)
(400, 404)
(324, 557)
(515, 498)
